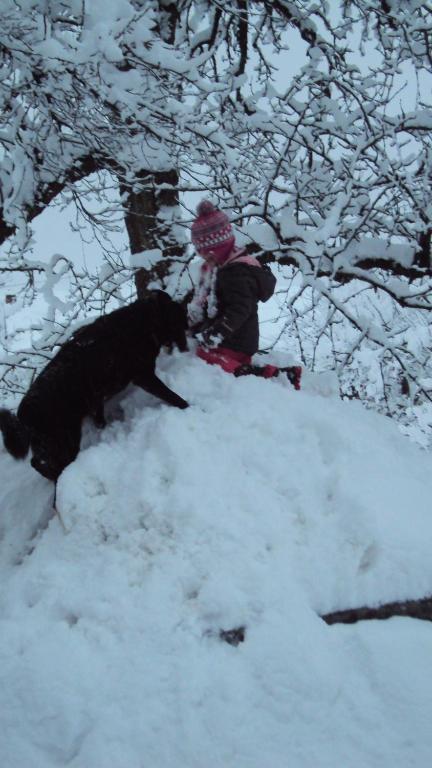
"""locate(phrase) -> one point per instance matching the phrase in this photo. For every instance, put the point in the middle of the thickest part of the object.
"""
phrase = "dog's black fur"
(97, 362)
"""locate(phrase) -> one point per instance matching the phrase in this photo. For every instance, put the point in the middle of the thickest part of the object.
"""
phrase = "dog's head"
(173, 319)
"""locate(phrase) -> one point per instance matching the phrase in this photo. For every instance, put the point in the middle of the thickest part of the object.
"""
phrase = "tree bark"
(148, 225)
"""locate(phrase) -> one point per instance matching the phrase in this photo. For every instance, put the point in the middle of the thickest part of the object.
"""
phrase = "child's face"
(208, 256)
(218, 254)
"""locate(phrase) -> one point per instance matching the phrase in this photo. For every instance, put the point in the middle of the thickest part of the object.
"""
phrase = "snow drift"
(257, 507)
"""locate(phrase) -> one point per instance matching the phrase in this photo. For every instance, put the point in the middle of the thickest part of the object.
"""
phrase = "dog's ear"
(158, 298)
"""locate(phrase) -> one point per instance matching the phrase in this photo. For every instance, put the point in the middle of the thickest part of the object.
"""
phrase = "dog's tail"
(15, 436)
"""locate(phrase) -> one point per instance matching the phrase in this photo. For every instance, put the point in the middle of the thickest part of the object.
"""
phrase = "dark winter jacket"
(239, 288)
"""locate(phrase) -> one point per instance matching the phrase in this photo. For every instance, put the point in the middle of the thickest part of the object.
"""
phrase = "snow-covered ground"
(258, 507)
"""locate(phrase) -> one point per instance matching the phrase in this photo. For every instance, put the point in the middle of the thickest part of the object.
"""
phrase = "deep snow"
(258, 507)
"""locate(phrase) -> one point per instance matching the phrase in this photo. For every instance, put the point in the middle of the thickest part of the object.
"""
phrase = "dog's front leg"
(150, 383)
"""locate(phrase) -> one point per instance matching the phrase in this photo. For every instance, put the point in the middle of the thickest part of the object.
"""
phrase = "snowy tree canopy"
(329, 157)
(309, 122)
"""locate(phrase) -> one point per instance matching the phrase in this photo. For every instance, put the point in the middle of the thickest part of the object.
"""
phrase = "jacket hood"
(263, 274)
(266, 281)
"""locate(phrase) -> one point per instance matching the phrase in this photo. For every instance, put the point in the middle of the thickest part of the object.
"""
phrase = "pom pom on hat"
(205, 207)
(211, 228)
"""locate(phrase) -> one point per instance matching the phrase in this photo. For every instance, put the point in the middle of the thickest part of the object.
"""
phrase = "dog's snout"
(182, 343)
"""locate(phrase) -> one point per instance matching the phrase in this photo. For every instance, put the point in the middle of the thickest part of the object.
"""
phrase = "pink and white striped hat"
(211, 229)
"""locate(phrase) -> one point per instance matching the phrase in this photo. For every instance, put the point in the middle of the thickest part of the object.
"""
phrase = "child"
(224, 310)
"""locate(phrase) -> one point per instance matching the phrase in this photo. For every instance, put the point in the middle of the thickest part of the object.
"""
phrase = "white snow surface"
(259, 507)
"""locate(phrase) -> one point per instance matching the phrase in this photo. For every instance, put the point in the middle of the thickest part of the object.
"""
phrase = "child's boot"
(293, 373)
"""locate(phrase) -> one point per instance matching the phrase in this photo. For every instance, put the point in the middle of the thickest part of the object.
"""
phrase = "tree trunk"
(149, 214)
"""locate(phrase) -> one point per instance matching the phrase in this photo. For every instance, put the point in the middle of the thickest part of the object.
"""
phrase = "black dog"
(97, 362)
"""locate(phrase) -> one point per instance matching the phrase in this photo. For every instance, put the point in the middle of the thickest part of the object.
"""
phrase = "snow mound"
(258, 507)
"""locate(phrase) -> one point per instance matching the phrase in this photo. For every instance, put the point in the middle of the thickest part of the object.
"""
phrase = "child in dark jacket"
(224, 310)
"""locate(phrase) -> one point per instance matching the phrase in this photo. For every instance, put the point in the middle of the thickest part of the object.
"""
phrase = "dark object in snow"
(97, 362)
(293, 372)
(233, 636)
(415, 609)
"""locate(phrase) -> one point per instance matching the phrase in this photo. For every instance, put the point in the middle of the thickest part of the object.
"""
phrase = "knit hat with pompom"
(211, 229)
